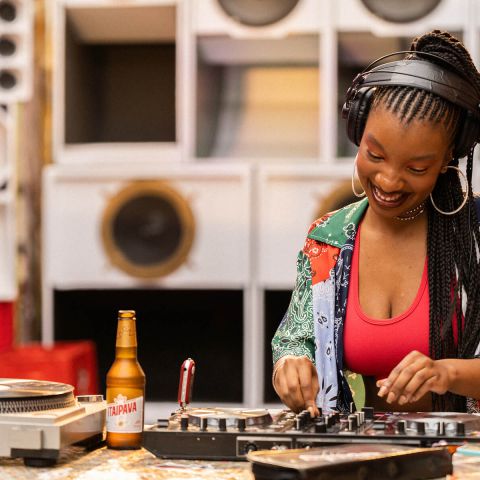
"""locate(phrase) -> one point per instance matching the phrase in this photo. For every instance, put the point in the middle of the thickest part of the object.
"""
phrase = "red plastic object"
(74, 363)
(6, 325)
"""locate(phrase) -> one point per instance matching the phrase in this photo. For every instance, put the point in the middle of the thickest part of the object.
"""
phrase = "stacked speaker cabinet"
(8, 284)
(256, 80)
(16, 50)
(117, 81)
(194, 143)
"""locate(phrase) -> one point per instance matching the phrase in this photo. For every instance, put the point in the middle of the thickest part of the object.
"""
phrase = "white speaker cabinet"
(8, 283)
(117, 83)
(16, 52)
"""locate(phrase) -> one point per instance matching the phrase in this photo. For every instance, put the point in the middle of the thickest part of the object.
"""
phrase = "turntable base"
(32, 430)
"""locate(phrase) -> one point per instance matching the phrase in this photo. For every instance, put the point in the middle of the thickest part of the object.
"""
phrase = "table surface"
(104, 464)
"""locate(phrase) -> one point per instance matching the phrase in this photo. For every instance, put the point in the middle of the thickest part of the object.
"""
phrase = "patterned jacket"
(313, 324)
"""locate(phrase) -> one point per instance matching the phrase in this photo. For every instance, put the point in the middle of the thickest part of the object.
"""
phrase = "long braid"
(453, 242)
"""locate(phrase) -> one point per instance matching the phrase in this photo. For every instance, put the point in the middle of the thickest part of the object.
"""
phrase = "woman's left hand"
(413, 377)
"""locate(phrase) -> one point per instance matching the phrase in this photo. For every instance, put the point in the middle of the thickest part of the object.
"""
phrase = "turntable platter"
(18, 395)
(259, 417)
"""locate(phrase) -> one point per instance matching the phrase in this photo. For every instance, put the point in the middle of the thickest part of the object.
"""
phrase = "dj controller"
(214, 433)
(230, 434)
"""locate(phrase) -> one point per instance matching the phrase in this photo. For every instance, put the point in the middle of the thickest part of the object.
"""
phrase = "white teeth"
(387, 198)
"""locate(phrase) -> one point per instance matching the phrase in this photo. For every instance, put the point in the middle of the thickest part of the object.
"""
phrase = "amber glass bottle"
(125, 388)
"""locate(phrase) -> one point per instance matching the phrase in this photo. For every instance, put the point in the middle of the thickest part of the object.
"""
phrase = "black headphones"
(417, 73)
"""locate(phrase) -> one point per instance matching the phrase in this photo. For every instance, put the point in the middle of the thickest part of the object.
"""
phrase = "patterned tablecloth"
(105, 464)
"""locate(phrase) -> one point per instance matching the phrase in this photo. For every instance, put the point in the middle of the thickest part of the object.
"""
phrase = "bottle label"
(125, 416)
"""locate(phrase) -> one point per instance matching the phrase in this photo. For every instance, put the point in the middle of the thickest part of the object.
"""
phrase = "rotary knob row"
(240, 424)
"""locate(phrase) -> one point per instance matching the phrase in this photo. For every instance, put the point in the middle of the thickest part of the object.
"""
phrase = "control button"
(420, 426)
(379, 425)
(203, 424)
(184, 422)
(241, 424)
(369, 413)
(222, 424)
(460, 429)
(440, 428)
(401, 424)
(250, 447)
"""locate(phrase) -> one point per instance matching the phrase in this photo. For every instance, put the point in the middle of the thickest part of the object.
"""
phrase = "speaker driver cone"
(401, 11)
(147, 229)
(257, 13)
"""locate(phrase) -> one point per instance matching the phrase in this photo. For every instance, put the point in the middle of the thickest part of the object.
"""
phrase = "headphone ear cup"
(358, 114)
(468, 135)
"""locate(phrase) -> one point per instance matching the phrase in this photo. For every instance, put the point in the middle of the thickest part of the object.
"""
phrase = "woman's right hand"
(296, 383)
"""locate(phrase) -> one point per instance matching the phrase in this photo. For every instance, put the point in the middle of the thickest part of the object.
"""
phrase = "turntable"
(38, 419)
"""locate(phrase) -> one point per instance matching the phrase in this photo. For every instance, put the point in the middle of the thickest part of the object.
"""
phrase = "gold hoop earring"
(465, 198)
(359, 195)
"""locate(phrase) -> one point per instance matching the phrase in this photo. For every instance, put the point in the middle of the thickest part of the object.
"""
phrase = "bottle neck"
(126, 344)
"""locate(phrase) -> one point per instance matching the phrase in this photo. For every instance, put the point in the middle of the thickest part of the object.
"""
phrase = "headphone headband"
(441, 78)
(424, 75)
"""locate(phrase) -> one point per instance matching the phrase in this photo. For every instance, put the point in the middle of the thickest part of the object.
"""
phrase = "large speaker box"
(170, 241)
(8, 287)
(117, 83)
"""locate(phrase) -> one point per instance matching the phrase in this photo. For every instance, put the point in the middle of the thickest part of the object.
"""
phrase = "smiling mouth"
(390, 200)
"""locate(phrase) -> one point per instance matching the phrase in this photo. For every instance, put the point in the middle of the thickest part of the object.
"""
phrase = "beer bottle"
(125, 388)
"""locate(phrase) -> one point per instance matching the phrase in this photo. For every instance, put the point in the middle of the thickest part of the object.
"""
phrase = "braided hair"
(453, 242)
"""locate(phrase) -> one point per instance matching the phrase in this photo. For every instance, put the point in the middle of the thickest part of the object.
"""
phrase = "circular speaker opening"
(148, 229)
(340, 196)
(7, 79)
(258, 13)
(7, 47)
(401, 12)
(8, 11)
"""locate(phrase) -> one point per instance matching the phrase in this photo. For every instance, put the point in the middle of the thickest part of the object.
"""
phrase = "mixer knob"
(369, 413)
(241, 424)
(460, 429)
(203, 424)
(298, 423)
(184, 422)
(352, 423)
(222, 424)
(330, 420)
(440, 428)
(401, 424)
(420, 426)
(320, 426)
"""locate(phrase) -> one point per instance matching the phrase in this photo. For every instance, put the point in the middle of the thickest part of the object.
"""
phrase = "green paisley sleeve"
(295, 335)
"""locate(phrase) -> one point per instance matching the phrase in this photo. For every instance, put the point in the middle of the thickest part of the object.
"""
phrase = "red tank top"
(373, 347)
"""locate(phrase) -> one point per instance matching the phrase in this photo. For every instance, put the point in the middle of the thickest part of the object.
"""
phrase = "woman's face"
(398, 165)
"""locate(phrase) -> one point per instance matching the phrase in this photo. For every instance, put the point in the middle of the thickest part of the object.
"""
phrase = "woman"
(381, 283)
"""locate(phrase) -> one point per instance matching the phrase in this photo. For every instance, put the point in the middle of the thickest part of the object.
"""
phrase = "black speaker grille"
(147, 230)
(8, 11)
